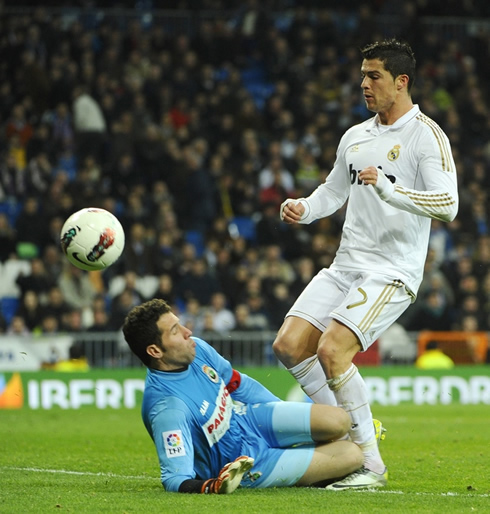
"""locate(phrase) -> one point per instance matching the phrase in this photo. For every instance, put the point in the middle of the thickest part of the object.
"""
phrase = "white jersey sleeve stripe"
(441, 141)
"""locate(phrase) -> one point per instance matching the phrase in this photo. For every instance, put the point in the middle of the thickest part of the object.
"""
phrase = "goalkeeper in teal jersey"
(215, 428)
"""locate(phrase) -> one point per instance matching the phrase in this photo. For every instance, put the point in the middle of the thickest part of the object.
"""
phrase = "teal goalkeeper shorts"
(281, 443)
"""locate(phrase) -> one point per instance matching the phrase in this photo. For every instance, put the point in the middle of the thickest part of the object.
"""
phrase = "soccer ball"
(92, 239)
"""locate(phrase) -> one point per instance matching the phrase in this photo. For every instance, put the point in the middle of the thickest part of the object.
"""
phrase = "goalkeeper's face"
(176, 349)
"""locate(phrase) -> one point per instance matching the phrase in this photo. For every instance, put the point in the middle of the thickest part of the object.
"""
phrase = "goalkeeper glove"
(229, 477)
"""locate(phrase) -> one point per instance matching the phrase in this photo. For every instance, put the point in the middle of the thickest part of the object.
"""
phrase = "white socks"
(310, 376)
(351, 394)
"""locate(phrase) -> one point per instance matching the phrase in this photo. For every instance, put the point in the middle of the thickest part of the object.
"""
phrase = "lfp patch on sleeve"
(173, 443)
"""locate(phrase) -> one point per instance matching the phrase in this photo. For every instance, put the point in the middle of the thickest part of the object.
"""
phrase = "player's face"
(177, 348)
(378, 86)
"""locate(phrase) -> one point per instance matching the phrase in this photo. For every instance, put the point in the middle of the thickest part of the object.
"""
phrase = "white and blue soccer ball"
(92, 239)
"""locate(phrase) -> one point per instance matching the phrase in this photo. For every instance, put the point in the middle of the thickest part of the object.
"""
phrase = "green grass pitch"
(92, 461)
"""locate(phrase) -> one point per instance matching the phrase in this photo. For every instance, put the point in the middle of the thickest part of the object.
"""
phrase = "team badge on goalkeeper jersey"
(211, 373)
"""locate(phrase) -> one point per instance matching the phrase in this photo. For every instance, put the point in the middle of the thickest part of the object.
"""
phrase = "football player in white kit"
(397, 172)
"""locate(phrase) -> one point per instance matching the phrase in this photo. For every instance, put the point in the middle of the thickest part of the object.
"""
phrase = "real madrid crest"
(210, 373)
(394, 153)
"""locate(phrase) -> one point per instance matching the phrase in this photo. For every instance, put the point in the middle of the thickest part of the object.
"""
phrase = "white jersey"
(387, 226)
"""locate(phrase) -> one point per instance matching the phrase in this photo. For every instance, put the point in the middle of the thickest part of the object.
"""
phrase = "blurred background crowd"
(192, 126)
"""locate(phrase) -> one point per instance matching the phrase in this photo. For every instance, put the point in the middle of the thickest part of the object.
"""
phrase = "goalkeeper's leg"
(332, 460)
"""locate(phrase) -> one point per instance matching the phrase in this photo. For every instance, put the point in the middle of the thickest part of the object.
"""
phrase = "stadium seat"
(196, 238)
(245, 227)
(8, 307)
(254, 80)
(12, 210)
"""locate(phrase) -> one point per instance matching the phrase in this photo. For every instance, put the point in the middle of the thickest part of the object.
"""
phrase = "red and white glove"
(229, 477)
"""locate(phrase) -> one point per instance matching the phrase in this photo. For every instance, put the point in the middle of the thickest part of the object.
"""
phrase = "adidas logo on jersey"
(204, 407)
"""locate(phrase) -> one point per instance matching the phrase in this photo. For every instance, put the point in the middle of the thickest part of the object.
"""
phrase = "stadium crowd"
(194, 137)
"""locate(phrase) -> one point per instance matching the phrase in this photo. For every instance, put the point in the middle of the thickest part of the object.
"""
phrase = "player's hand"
(291, 211)
(229, 477)
(369, 175)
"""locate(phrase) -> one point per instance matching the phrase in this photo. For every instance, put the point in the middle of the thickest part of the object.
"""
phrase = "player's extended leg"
(328, 423)
(338, 346)
(330, 461)
(296, 346)
(298, 452)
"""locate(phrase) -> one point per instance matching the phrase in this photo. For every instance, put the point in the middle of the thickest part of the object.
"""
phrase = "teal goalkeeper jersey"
(195, 425)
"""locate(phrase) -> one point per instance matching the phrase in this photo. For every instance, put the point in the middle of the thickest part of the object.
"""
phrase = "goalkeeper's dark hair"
(397, 57)
(140, 327)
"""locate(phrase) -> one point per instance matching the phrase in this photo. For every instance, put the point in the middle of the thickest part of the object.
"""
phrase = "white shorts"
(367, 303)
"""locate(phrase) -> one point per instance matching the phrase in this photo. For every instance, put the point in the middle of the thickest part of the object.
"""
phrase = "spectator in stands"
(273, 264)
(199, 283)
(100, 321)
(469, 323)
(3, 324)
(165, 289)
(482, 257)
(166, 254)
(258, 313)
(193, 316)
(470, 306)
(72, 321)
(31, 310)
(136, 210)
(129, 282)
(276, 173)
(268, 229)
(238, 249)
(17, 327)
(8, 238)
(18, 125)
(50, 325)
(275, 191)
(243, 321)
(38, 174)
(53, 260)
(76, 286)
(17, 152)
(278, 304)
(208, 329)
(307, 175)
(432, 312)
(201, 191)
(304, 269)
(120, 307)
(61, 123)
(124, 175)
(76, 361)
(30, 225)
(253, 286)
(89, 124)
(56, 305)
(12, 179)
(138, 253)
(222, 318)
(434, 358)
(38, 280)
